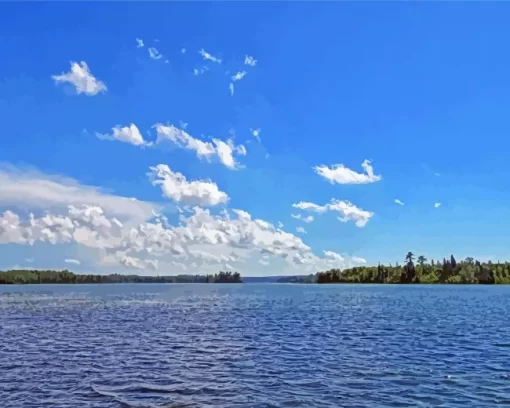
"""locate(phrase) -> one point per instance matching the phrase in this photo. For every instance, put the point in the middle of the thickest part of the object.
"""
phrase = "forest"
(65, 276)
(419, 270)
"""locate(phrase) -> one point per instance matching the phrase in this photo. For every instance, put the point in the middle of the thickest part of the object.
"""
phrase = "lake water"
(257, 345)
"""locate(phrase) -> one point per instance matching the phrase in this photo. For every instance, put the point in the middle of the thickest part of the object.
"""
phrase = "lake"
(254, 345)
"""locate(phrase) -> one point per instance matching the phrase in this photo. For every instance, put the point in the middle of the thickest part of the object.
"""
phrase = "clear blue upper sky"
(422, 90)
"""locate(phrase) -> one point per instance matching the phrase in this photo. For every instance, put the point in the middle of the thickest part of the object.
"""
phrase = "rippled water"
(254, 346)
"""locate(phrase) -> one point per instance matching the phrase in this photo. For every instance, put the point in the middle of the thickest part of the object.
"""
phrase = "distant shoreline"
(41, 277)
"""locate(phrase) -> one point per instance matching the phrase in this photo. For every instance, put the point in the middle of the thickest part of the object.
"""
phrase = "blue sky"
(420, 90)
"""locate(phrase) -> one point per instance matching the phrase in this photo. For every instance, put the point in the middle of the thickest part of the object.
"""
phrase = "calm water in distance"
(254, 345)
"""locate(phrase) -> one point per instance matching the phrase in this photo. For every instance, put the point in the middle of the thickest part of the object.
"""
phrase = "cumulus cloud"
(86, 225)
(250, 61)
(340, 174)
(29, 189)
(154, 53)
(397, 201)
(231, 88)
(82, 79)
(348, 211)
(205, 55)
(437, 205)
(118, 232)
(175, 186)
(72, 261)
(201, 238)
(127, 134)
(223, 151)
(139, 43)
(201, 241)
(307, 219)
(334, 255)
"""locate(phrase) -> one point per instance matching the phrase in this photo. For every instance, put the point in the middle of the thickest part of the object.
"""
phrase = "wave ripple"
(155, 346)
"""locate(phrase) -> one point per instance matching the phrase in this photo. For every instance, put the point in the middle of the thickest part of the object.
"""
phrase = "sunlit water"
(195, 345)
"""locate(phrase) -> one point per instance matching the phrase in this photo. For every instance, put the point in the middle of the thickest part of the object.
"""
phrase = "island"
(65, 276)
(414, 271)
(447, 271)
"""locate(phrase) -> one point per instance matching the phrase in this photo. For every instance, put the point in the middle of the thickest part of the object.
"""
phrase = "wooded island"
(447, 271)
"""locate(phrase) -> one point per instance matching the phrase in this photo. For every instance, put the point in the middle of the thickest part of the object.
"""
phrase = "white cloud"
(250, 61)
(120, 257)
(127, 134)
(241, 150)
(334, 255)
(200, 71)
(113, 232)
(72, 261)
(139, 43)
(200, 238)
(154, 53)
(200, 242)
(238, 76)
(32, 190)
(306, 206)
(175, 186)
(82, 79)
(358, 260)
(223, 151)
(256, 133)
(348, 211)
(340, 174)
(306, 219)
(231, 89)
(209, 57)
(397, 201)
(437, 205)
(300, 230)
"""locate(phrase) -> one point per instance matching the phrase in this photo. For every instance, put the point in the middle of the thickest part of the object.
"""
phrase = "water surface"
(258, 345)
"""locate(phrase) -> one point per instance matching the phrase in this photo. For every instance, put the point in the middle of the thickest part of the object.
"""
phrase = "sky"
(268, 138)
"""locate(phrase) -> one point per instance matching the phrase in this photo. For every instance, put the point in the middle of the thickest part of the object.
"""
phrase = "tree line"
(65, 276)
(447, 271)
